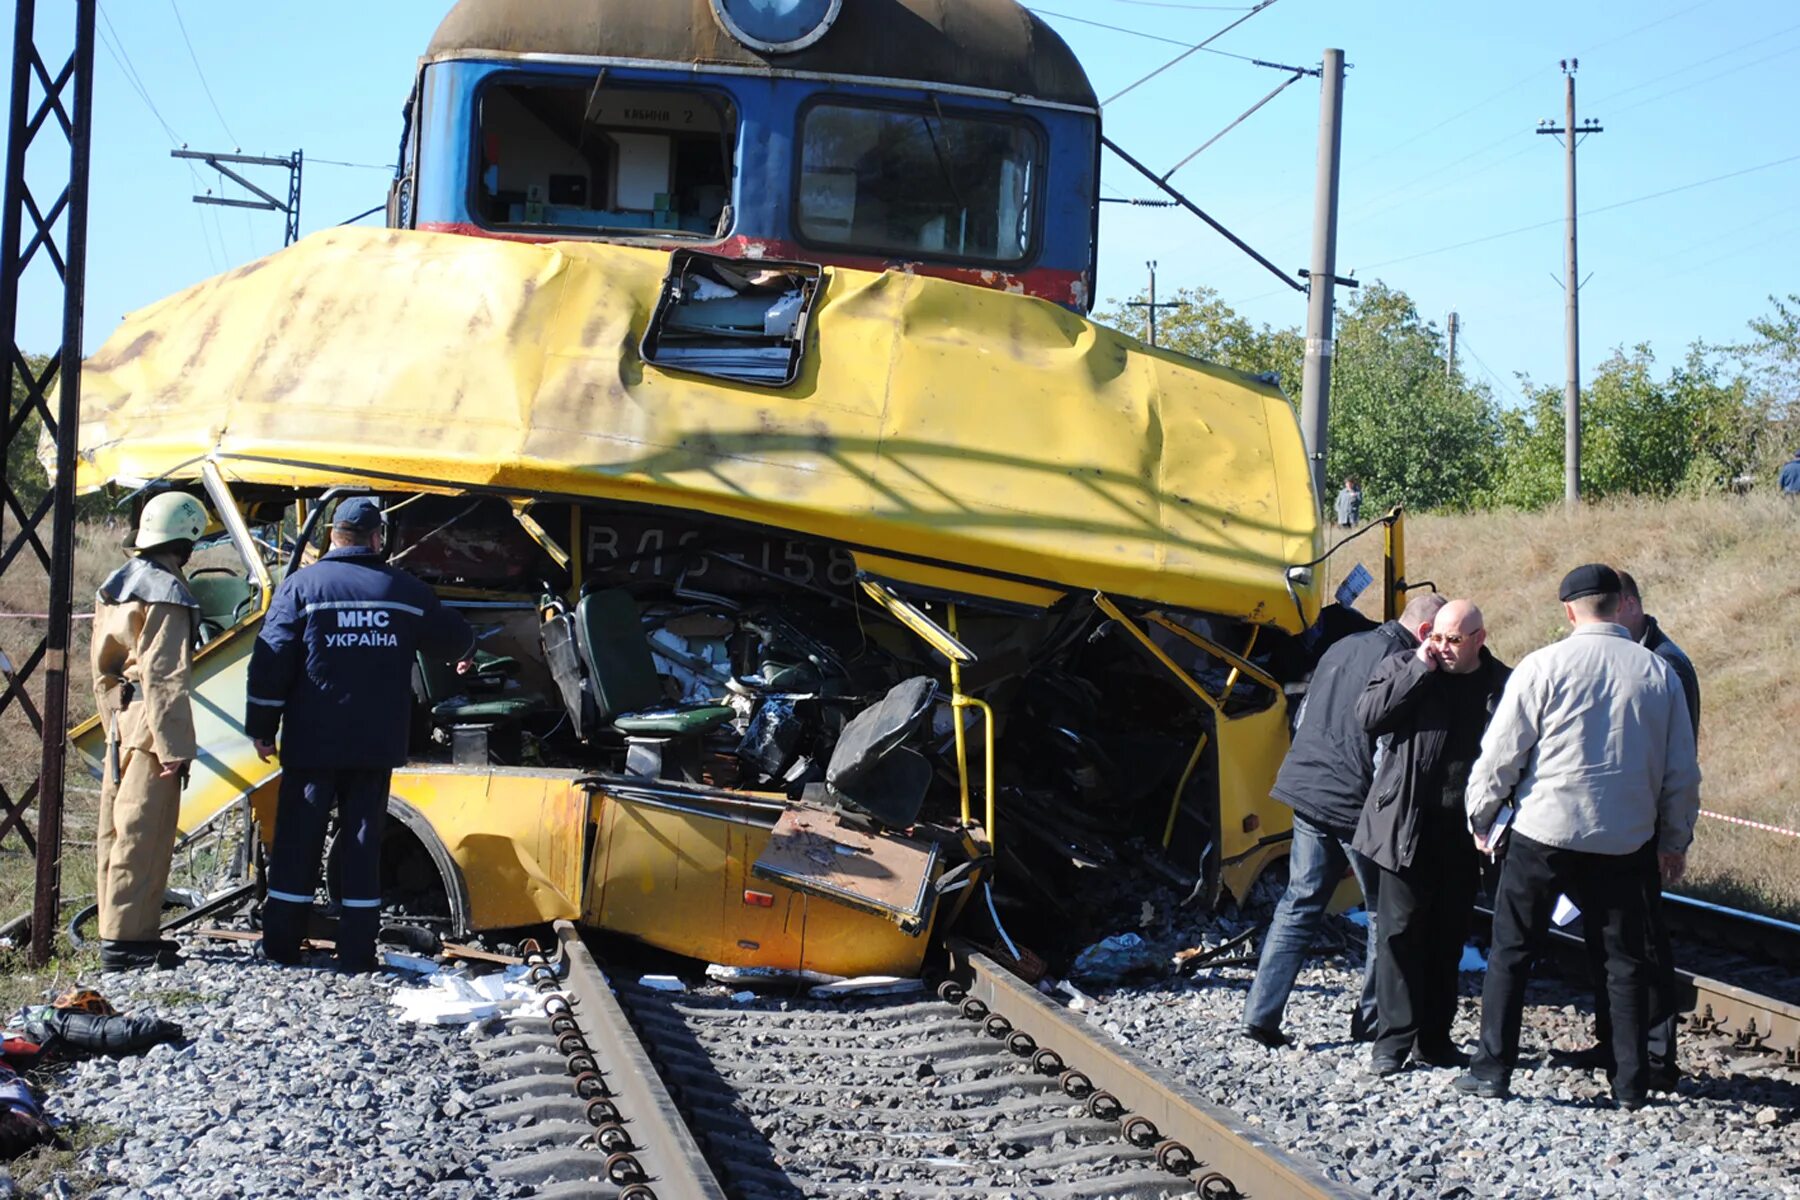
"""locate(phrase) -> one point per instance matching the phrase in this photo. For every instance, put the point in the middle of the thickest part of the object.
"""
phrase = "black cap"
(362, 514)
(1592, 579)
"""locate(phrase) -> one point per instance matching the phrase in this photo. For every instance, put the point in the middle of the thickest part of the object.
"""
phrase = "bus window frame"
(720, 97)
(1029, 260)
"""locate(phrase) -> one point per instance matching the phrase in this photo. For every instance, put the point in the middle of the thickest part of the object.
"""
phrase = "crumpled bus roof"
(931, 420)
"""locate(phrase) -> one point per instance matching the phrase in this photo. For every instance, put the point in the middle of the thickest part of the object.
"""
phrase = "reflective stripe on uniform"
(290, 897)
(266, 703)
(347, 903)
(395, 605)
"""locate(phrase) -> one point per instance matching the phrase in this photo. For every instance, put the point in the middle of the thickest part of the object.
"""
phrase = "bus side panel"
(681, 881)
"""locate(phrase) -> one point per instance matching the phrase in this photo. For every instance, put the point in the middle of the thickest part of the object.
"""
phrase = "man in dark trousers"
(1665, 1069)
(1324, 779)
(1431, 705)
(332, 669)
(1592, 745)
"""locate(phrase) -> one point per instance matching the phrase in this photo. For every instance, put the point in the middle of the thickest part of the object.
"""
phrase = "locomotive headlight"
(777, 26)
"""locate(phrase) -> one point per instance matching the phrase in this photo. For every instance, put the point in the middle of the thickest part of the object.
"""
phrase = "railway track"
(1750, 1018)
(983, 1090)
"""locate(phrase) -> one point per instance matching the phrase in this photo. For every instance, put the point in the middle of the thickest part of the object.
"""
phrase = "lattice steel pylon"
(42, 102)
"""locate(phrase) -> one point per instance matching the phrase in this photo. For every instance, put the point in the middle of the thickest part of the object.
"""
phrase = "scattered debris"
(1114, 958)
(868, 985)
(662, 983)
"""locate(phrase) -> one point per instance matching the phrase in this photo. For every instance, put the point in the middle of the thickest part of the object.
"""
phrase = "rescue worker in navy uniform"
(145, 626)
(332, 669)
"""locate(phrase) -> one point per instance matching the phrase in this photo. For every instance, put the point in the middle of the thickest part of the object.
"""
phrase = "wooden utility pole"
(1571, 133)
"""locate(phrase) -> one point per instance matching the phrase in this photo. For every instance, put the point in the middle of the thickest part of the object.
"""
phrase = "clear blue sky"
(1440, 106)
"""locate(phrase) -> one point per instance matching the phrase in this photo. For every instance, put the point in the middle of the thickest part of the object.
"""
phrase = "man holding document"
(1592, 747)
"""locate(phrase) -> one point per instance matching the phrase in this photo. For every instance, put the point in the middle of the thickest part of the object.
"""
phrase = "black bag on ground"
(65, 1031)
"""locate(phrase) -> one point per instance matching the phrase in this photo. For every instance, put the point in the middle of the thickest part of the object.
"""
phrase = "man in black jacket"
(1431, 705)
(1324, 780)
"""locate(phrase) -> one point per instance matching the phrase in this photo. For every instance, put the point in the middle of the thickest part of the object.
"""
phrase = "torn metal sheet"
(816, 852)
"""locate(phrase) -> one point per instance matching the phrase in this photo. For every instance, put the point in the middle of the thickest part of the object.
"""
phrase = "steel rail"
(1751, 933)
(1228, 1159)
(1710, 1006)
(662, 1143)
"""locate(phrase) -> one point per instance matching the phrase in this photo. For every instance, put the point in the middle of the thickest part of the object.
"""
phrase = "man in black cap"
(1592, 746)
(1665, 1068)
(332, 670)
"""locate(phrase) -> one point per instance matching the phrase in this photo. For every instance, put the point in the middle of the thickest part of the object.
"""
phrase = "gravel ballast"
(1730, 1132)
(302, 1082)
(292, 1082)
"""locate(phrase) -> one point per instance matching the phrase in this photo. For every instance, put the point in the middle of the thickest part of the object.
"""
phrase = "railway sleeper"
(722, 1033)
(950, 1050)
(643, 999)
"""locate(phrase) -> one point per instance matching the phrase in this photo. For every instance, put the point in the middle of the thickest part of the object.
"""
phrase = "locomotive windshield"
(588, 157)
(919, 183)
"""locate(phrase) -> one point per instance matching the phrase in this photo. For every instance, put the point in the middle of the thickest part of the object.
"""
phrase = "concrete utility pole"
(1571, 134)
(1315, 387)
(1450, 359)
(1152, 305)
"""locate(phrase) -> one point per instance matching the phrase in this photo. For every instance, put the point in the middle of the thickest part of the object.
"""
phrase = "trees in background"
(1418, 433)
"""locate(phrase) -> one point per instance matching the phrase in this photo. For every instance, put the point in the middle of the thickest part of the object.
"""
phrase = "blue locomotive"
(956, 138)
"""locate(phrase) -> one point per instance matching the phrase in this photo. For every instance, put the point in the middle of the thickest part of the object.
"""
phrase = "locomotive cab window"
(919, 183)
(589, 157)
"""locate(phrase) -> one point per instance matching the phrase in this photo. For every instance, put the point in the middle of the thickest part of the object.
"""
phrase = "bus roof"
(986, 45)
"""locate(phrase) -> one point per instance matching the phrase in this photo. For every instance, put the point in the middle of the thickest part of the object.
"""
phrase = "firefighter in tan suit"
(145, 622)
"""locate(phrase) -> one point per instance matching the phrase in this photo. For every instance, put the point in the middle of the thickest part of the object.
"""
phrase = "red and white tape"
(1793, 833)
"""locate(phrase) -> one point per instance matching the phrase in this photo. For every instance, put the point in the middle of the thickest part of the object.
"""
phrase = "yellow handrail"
(958, 702)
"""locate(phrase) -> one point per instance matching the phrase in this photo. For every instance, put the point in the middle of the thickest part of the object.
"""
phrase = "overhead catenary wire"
(1462, 344)
(338, 162)
(1279, 88)
(201, 73)
(1155, 37)
(1194, 49)
(114, 45)
(1506, 233)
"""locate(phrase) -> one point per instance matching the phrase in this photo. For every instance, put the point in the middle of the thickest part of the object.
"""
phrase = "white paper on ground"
(1564, 912)
(662, 983)
(401, 961)
(446, 999)
(868, 985)
(726, 974)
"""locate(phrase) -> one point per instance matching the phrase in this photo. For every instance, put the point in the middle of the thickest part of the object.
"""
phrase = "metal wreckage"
(823, 609)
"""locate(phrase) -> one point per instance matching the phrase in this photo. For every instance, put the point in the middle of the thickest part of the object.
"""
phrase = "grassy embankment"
(22, 590)
(1722, 576)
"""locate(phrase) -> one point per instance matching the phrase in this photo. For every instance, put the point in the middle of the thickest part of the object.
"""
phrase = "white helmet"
(170, 517)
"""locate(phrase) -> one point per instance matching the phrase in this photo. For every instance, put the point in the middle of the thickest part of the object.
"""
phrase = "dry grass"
(23, 590)
(1722, 576)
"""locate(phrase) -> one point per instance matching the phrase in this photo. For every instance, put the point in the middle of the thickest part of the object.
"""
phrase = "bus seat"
(225, 599)
(872, 769)
(619, 679)
(475, 701)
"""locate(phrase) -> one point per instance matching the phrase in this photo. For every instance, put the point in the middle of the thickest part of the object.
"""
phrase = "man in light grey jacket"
(1592, 745)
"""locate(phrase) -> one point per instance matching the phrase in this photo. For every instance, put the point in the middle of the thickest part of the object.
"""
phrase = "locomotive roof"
(994, 45)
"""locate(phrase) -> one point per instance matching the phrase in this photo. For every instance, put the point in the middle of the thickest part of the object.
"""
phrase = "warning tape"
(45, 616)
(1793, 833)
